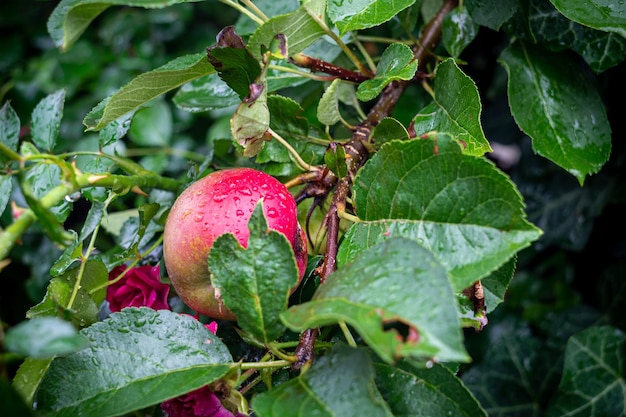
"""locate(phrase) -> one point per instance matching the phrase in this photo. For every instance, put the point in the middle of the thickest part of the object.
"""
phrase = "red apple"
(223, 202)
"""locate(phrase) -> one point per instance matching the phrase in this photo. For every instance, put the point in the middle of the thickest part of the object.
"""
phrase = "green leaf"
(396, 284)
(445, 200)
(137, 358)
(458, 31)
(6, 187)
(492, 13)
(147, 87)
(43, 338)
(606, 15)
(340, 383)
(601, 50)
(389, 129)
(298, 27)
(509, 380)
(204, 94)
(335, 160)
(12, 403)
(29, 376)
(456, 109)
(328, 107)
(270, 8)
(9, 129)
(71, 17)
(593, 375)
(84, 310)
(396, 63)
(115, 130)
(541, 85)
(362, 14)
(46, 120)
(436, 391)
(152, 125)
(255, 283)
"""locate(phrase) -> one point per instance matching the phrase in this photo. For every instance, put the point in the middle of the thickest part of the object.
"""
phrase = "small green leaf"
(459, 30)
(255, 283)
(593, 375)
(446, 200)
(71, 17)
(298, 27)
(335, 160)
(362, 14)
(9, 129)
(606, 15)
(492, 13)
(115, 130)
(6, 187)
(204, 94)
(541, 85)
(396, 63)
(44, 337)
(340, 383)
(456, 109)
(389, 129)
(84, 310)
(328, 107)
(394, 283)
(270, 8)
(147, 87)
(46, 120)
(434, 392)
(137, 358)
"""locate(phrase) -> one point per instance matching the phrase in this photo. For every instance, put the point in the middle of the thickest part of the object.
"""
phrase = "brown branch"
(319, 65)
(357, 153)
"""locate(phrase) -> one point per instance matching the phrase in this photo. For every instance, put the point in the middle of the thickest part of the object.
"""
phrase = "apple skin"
(223, 202)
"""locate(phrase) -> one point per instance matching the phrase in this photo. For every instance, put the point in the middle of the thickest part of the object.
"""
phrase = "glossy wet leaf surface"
(136, 358)
(406, 291)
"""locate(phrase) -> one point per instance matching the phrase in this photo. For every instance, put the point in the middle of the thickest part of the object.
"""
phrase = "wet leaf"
(137, 358)
(328, 107)
(436, 391)
(71, 17)
(396, 63)
(456, 109)
(251, 120)
(9, 129)
(204, 94)
(593, 375)
(402, 307)
(603, 15)
(459, 30)
(152, 125)
(338, 384)
(445, 201)
(44, 337)
(362, 14)
(541, 85)
(146, 87)
(46, 121)
(390, 129)
(492, 13)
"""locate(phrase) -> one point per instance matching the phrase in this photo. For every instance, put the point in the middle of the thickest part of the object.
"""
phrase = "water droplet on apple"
(271, 212)
(219, 198)
(240, 213)
(245, 191)
(198, 216)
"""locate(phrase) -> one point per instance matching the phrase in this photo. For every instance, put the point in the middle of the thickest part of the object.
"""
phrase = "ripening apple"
(223, 202)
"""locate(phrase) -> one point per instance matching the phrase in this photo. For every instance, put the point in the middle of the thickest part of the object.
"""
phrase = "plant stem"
(235, 5)
(299, 161)
(264, 365)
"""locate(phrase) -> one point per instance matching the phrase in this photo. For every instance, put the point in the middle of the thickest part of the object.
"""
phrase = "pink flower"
(199, 403)
(139, 287)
